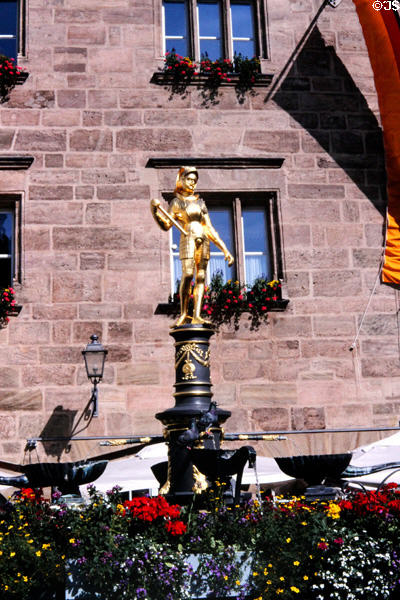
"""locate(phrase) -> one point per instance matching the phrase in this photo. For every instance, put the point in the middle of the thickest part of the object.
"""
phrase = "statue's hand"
(155, 203)
(229, 258)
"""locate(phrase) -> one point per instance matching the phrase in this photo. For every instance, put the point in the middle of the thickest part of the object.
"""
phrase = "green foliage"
(248, 69)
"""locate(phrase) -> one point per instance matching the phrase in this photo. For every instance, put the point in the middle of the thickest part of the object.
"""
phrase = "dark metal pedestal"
(193, 425)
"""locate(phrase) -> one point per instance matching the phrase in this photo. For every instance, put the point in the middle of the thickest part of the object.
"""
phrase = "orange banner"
(380, 22)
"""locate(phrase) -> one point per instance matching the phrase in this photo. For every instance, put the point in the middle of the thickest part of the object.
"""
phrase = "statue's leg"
(198, 293)
(184, 290)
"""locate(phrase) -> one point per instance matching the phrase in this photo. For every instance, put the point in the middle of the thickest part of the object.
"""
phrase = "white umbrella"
(382, 452)
(134, 473)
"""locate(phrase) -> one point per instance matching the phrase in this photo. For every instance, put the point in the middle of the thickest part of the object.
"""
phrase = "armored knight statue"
(188, 212)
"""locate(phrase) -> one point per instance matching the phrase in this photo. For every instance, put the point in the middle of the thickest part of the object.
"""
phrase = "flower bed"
(147, 549)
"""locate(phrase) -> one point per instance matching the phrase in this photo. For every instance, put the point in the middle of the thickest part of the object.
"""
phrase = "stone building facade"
(91, 259)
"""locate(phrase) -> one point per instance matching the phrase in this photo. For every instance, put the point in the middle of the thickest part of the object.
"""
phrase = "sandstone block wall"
(93, 260)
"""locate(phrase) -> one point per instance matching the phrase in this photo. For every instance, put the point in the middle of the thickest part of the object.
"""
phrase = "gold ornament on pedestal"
(188, 212)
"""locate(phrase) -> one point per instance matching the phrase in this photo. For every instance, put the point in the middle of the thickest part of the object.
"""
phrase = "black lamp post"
(95, 356)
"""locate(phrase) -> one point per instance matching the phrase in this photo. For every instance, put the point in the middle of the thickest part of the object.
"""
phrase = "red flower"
(175, 527)
(323, 546)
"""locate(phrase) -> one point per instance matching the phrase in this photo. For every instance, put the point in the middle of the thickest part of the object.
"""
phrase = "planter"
(204, 565)
(201, 584)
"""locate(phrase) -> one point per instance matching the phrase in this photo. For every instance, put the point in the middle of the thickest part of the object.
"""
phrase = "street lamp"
(95, 356)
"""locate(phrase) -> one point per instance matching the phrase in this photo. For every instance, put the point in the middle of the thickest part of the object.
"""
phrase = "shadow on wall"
(60, 424)
(320, 94)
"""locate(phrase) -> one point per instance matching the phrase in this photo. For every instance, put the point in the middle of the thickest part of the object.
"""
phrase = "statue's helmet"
(182, 173)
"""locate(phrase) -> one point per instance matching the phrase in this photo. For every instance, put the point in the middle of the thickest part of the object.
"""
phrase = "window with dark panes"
(9, 28)
(9, 251)
(175, 19)
(215, 28)
(209, 29)
(248, 224)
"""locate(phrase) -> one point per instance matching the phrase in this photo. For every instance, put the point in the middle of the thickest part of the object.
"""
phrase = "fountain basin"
(314, 468)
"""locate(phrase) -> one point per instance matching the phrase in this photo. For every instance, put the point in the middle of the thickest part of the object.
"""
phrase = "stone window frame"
(13, 202)
(260, 29)
(267, 199)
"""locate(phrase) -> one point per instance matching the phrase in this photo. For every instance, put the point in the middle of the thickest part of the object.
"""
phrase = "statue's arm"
(162, 220)
(214, 237)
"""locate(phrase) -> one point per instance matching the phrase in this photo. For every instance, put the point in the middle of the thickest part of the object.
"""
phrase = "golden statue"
(188, 212)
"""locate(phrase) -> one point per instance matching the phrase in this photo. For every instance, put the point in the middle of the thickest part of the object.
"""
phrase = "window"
(9, 240)
(248, 224)
(11, 27)
(217, 28)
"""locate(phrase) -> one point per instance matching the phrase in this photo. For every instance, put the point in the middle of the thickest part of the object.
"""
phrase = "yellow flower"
(255, 573)
(333, 511)
(72, 541)
(304, 523)
(305, 577)
(295, 589)
(269, 566)
(288, 540)
(296, 563)
(38, 553)
(269, 582)
(29, 541)
(45, 546)
(25, 578)
(1, 552)
(12, 554)
(237, 582)
(279, 591)
(225, 577)
(281, 578)
(18, 574)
